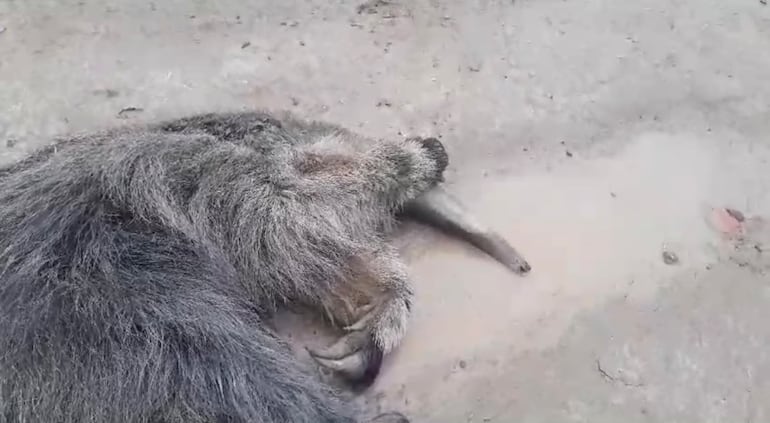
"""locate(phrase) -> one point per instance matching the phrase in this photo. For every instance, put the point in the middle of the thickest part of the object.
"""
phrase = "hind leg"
(379, 325)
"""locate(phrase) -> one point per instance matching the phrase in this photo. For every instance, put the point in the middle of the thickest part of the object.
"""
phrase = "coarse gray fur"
(138, 267)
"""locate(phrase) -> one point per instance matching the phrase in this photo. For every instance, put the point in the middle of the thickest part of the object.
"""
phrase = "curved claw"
(364, 309)
(355, 356)
(351, 366)
(368, 313)
(344, 347)
(360, 368)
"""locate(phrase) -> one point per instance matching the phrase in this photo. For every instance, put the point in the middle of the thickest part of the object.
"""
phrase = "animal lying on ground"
(139, 266)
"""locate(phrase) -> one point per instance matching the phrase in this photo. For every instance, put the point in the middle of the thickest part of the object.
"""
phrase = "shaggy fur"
(138, 267)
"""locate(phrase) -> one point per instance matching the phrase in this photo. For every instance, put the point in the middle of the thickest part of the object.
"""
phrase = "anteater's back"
(120, 300)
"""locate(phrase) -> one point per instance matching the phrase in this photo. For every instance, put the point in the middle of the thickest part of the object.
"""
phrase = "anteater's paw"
(357, 355)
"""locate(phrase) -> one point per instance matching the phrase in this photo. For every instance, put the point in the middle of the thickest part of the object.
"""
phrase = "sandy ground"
(594, 134)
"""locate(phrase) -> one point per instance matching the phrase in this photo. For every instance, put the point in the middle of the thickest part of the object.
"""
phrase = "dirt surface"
(595, 135)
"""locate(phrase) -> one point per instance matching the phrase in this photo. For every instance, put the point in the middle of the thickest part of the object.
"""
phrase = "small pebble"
(569, 153)
(2, 29)
(463, 364)
(670, 258)
(245, 44)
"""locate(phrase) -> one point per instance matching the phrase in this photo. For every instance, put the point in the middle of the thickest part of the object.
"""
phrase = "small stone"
(2, 29)
(462, 364)
(670, 258)
(245, 44)
(569, 153)
(10, 143)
